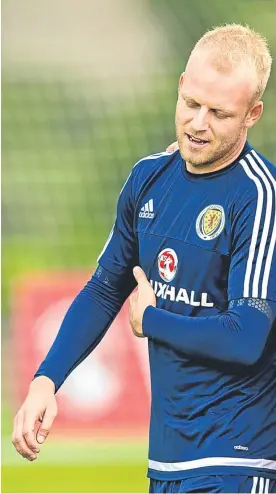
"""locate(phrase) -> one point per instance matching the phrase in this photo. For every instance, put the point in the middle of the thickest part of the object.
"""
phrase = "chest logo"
(210, 222)
(167, 264)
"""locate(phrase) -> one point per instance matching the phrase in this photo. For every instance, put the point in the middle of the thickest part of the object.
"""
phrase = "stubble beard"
(205, 159)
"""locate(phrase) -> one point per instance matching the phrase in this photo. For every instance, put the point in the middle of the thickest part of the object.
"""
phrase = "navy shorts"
(216, 483)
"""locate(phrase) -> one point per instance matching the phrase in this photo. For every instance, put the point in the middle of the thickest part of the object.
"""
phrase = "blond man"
(196, 227)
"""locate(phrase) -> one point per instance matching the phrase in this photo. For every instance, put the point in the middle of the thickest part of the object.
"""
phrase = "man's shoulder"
(156, 159)
(255, 164)
(255, 181)
(147, 169)
(258, 173)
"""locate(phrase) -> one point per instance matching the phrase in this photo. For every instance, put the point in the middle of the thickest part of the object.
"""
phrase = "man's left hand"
(139, 301)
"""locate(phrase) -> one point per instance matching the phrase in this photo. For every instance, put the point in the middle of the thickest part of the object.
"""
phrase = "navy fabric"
(215, 483)
(207, 245)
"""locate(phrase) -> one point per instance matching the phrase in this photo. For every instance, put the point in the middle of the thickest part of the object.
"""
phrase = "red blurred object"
(109, 391)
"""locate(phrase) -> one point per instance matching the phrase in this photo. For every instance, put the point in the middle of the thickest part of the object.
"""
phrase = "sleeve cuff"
(149, 322)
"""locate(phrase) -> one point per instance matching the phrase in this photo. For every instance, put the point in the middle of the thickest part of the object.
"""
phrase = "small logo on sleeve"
(210, 222)
(147, 210)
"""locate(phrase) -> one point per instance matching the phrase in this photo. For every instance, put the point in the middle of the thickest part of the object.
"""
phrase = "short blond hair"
(232, 44)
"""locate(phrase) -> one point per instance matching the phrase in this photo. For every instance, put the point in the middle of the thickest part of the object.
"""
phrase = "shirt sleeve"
(84, 325)
(96, 306)
(120, 253)
(253, 257)
(237, 336)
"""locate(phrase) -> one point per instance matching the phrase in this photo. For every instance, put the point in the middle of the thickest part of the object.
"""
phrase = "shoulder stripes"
(261, 248)
(155, 156)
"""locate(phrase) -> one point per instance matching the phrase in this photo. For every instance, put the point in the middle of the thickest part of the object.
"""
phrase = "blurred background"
(88, 88)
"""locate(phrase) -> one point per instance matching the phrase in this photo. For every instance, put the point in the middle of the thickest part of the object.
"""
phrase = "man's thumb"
(41, 439)
(139, 275)
(45, 426)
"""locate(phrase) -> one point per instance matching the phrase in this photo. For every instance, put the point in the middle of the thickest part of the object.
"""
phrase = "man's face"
(212, 106)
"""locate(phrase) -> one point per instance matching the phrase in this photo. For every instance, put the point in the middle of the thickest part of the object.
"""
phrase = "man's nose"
(200, 120)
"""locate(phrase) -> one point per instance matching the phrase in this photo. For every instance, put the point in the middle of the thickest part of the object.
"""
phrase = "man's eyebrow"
(218, 108)
(223, 110)
(185, 96)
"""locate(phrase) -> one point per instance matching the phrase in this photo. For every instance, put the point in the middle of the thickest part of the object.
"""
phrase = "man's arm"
(84, 325)
(238, 335)
(96, 306)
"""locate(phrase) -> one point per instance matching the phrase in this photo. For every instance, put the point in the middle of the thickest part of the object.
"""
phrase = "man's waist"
(214, 465)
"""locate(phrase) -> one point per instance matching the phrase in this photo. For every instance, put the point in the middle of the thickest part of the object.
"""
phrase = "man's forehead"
(204, 82)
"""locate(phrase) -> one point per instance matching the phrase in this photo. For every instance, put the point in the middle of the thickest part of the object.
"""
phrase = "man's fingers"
(31, 442)
(139, 275)
(172, 147)
(45, 427)
(29, 431)
(18, 439)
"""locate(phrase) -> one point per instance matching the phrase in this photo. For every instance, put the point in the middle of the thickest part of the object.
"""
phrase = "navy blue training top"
(207, 245)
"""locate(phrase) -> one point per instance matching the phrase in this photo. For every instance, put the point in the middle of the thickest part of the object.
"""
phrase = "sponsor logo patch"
(167, 264)
(174, 294)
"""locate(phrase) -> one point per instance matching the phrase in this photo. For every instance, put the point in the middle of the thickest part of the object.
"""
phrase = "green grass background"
(50, 478)
(74, 466)
(67, 464)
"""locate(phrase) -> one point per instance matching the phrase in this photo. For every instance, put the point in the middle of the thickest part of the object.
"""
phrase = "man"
(197, 229)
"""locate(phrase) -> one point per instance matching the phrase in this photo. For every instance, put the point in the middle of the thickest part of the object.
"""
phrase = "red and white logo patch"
(167, 264)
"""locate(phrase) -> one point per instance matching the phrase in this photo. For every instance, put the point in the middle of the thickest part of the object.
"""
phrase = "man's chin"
(198, 158)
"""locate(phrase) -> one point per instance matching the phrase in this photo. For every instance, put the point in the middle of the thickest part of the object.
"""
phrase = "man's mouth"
(196, 140)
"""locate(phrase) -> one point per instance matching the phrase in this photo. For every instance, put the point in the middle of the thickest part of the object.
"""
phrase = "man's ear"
(254, 114)
(181, 80)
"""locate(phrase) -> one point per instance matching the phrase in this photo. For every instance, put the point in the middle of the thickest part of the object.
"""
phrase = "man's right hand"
(34, 419)
(172, 147)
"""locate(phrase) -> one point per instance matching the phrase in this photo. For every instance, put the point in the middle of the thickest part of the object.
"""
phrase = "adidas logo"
(147, 210)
